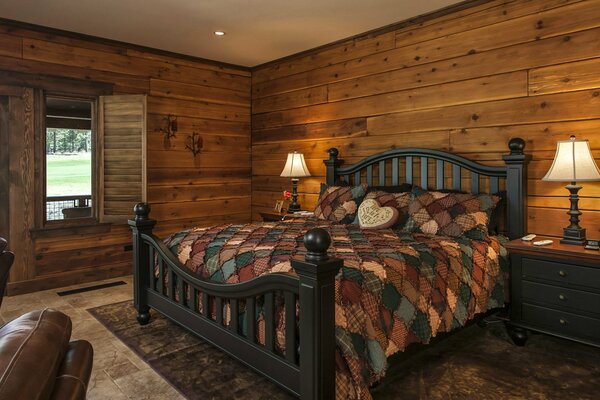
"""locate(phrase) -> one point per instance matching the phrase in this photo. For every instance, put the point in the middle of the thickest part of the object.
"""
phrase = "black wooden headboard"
(447, 174)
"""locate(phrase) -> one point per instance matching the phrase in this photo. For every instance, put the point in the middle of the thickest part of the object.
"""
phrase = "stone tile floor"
(118, 372)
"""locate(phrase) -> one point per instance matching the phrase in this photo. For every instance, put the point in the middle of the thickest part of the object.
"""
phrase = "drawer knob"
(562, 297)
(562, 273)
(563, 321)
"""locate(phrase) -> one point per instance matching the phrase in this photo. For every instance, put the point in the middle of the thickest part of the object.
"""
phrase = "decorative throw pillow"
(399, 201)
(372, 216)
(340, 203)
(450, 214)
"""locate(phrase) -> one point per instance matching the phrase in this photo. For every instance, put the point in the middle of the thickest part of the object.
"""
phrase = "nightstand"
(275, 216)
(555, 289)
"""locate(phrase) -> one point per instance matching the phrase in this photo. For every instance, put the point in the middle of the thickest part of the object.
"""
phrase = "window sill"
(68, 230)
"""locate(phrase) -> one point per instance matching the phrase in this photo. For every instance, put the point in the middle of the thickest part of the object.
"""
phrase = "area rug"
(475, 363)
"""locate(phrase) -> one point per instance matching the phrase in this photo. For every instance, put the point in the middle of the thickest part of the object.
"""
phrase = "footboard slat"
(161, 276)
(234, 310)
(219, 310)
(290, 327)
(171, 289)
(151, 257)
(205, 305)
(194, 299)
(251, 319)
(269, 322)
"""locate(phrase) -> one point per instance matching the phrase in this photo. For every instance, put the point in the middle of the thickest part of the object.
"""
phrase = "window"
(69, 158)
(91, 158)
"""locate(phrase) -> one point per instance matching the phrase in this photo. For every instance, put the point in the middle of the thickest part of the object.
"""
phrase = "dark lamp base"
(294, 207)
(574, 236)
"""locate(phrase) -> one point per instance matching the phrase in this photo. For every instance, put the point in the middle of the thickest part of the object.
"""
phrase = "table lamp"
(295, 168)
(573, 163)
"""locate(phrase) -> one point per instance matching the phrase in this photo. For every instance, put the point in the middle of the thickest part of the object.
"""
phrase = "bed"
(320, 318)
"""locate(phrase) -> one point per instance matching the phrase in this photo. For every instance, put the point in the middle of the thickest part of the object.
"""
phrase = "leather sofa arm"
(74, 373)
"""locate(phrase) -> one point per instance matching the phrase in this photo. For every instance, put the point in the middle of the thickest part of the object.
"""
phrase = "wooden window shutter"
(122, 145)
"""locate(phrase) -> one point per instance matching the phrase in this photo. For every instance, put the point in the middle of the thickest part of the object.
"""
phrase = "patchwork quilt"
(395, 288)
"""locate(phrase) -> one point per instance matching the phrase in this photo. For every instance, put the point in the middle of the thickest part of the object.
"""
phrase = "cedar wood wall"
(465, 82)
(209, 99)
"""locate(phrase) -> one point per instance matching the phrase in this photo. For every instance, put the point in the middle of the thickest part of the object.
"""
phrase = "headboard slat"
(409, 169)
(370, 175)
(439, 174)
(474, 183)
(424, 172)
(456, 182)
(494, 184)
(382, 173)
(395, 171)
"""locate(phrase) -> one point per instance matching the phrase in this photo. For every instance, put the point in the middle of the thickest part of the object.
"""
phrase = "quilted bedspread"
(395, 288)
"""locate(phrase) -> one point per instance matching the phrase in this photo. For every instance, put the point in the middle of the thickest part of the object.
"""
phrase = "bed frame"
(307, 366)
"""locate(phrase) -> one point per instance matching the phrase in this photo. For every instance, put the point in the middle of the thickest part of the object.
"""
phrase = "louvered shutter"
(122, 123)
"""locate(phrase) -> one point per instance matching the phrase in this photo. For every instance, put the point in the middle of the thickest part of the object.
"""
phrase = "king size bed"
(318, 305)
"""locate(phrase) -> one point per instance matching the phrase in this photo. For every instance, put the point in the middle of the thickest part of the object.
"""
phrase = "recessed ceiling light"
(219, 33)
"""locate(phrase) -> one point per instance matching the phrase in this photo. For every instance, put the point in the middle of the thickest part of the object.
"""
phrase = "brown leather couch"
(37, 361)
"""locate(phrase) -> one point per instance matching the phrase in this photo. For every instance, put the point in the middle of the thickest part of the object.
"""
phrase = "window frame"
(41, 221)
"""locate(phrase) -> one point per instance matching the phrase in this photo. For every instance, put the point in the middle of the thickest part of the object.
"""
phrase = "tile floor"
(118, 372)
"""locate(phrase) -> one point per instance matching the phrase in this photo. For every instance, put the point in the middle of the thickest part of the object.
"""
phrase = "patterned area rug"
(474, 363)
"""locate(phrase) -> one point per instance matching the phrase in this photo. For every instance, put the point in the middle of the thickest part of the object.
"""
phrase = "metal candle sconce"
(195, 143)
(171, 126)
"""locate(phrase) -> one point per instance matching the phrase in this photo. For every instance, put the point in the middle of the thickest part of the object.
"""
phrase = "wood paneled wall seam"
(184, 191)
(465, 82)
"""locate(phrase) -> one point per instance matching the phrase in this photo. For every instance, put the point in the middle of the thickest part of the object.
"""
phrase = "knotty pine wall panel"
(210, 99)
(466, 82)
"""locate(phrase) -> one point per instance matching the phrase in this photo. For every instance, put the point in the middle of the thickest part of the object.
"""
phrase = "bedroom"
(204, 143)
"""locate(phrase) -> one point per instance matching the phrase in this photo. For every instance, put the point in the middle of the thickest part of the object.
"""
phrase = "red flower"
(286, 195)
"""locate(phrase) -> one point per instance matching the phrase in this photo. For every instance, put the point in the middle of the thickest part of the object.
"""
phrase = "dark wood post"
(317, 316)
(141, 225)
(516, 188)
(332, 165)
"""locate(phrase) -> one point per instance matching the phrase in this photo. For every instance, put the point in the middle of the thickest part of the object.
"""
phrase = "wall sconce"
(195, 143)
(171, 126)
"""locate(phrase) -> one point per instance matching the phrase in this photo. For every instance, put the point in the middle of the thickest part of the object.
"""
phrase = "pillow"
(372, 216)
(340, 203)
(399, 201)
(450, 214)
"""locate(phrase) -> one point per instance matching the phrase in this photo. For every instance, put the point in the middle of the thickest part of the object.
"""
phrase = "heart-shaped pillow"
(372, 216)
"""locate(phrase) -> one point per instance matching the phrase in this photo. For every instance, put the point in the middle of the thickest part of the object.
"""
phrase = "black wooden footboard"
(305, 366)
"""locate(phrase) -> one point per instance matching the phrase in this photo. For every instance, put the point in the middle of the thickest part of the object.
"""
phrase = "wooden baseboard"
(69, 278)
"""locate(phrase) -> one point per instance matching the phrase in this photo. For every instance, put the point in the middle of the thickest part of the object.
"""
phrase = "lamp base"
(574, 236)
(293, 207)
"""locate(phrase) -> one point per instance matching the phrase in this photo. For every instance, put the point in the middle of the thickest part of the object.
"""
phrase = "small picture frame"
(278, 205)
(592, 245)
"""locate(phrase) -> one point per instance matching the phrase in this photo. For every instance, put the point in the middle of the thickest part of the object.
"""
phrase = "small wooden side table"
(554, 289)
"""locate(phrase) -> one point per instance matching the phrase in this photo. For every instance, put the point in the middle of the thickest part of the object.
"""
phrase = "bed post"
(516, 188)
(141, 260)
(317, 316)
(332, 165)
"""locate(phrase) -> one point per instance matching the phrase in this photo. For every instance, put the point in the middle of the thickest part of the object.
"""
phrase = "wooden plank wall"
(211, 99)
(465, 82)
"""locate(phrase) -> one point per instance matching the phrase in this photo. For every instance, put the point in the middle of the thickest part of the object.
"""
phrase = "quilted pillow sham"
(450, 214)
(399, 201)
(340, 203)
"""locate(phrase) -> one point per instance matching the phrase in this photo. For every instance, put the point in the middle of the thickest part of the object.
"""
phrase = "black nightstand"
(555, 289)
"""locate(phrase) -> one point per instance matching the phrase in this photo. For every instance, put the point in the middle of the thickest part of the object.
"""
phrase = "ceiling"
(257, 31)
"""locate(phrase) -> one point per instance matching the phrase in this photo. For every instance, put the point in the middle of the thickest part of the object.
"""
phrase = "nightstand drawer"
(562, 322)
(567, 274)
(562, 297)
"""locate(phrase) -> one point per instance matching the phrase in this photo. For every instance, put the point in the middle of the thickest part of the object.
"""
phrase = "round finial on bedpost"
(516, 146)
(317, 241)
(333, 153)
(142, 211)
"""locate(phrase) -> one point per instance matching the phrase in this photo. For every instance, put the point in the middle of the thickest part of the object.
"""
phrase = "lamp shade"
(295, 167)
(573, 162)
